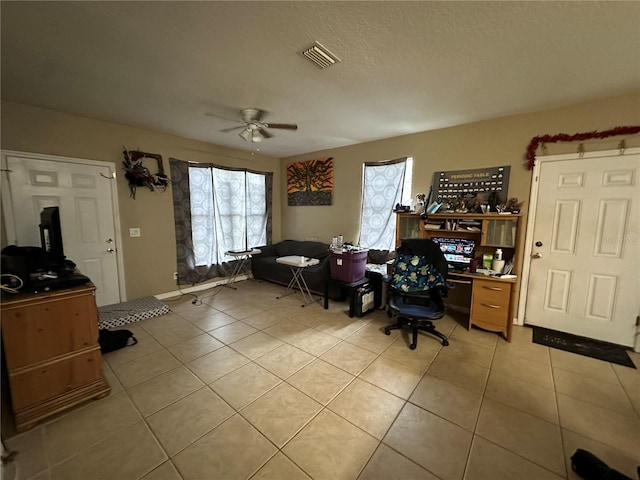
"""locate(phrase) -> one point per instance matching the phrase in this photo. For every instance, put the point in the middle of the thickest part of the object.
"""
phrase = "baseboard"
(198, 288)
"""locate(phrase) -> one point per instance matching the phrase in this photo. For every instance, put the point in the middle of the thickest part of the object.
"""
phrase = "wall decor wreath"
(139, 175)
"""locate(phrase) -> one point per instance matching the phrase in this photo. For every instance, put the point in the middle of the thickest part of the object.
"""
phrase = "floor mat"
(589, 347)
(119, 314)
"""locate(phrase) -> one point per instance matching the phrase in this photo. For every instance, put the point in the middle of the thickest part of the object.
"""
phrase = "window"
(384, 184)
(217, 209)
(228, 212)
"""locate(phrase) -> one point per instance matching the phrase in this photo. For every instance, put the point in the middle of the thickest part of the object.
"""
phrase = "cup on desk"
(473, 265)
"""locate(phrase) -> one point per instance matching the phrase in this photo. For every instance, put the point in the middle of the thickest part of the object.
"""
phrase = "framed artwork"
(310, 182)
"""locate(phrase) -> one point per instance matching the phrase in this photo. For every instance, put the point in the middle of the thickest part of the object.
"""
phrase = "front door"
(585, 261)
(83, 192)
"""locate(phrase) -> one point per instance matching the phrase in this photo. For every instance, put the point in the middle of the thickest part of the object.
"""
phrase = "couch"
(265, 267)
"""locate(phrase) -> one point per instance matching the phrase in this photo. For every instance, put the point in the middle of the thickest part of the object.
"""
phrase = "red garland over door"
(576, 137)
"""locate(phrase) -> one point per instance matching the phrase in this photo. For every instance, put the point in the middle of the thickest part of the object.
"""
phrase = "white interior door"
(83, 192)
(585, 262)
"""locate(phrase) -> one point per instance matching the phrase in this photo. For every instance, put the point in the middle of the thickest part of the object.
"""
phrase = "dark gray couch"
(265, 267)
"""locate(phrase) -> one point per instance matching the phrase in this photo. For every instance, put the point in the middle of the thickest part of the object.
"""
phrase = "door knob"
(536, 255)
(110, 250)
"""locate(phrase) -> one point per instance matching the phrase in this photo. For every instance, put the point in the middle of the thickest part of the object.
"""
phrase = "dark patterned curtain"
(188, 271)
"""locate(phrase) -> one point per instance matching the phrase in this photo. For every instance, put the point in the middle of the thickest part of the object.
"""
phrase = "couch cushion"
(307, 248)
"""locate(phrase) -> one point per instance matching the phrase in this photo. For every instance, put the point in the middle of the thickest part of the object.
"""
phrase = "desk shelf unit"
(493, 303)
(52, 354)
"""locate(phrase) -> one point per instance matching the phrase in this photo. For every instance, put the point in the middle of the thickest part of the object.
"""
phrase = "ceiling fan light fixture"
(251, 134)
(256, 136)
(245, 135)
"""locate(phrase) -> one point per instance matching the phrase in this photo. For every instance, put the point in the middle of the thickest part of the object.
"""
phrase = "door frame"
(531, 215)
(7, 202)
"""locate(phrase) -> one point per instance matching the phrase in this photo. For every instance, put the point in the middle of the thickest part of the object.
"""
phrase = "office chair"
(416, 288)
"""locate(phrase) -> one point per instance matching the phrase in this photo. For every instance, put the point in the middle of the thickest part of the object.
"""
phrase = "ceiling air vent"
(320, 56)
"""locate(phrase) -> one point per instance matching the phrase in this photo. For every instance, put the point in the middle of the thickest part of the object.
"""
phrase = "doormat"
(118, 314)
(609, 352)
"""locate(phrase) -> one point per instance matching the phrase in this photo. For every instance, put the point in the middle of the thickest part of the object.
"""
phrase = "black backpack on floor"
(111, 340)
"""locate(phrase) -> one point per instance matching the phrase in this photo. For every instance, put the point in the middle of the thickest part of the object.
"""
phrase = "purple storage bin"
(348, 266)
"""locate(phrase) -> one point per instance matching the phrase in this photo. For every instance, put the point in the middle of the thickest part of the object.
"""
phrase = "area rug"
(589, 347)
(119, 314)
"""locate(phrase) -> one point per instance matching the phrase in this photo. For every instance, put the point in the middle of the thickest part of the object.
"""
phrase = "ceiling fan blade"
(209, 114)
(231, 129)
(283, 126)
(264, 133)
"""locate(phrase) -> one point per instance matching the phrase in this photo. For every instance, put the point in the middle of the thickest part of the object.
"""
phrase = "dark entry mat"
(609, 352)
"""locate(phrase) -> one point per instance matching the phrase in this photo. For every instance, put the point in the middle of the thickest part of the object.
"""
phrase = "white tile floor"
(245, 386)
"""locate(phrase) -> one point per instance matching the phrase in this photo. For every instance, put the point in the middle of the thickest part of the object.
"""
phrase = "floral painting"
(310, 182)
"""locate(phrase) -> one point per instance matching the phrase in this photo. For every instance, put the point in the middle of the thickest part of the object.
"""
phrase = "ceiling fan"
(254, 129)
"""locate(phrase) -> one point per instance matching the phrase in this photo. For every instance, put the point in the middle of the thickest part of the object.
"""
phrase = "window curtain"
(217, 209)
(382, 184)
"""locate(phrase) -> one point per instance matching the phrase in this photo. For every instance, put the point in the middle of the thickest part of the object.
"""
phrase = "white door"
(585, 256)
(83, 192)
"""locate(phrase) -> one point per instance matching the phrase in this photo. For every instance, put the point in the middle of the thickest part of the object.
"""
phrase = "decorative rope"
(563, 137)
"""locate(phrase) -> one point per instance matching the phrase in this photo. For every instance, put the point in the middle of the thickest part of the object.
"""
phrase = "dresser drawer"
(490, 304)
(49, 327)
(53, 378)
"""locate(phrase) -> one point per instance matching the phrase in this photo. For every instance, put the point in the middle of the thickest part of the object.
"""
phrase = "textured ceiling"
(405, 67)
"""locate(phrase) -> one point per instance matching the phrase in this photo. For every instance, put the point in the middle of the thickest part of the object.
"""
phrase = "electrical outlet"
(175, 275)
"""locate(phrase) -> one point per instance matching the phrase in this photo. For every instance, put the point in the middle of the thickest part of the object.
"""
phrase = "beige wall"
(150, 260)
(501, 141)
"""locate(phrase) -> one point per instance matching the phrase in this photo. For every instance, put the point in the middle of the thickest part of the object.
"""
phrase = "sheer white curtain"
(382, 188)
(228, 212)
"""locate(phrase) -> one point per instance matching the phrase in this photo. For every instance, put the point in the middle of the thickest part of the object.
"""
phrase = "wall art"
(310, 182)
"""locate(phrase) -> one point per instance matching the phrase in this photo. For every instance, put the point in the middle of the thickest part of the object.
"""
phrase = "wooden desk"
(491, 301)
(51, 347)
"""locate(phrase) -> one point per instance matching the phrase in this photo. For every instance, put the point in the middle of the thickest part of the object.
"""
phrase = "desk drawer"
(490, 304)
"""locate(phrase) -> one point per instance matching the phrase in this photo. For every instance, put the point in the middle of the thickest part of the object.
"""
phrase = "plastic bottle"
(498, 263)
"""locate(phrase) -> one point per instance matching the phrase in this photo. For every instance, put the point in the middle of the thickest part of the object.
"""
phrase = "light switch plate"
(134, 232)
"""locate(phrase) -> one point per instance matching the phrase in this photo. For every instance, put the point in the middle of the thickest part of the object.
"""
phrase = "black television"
(457, 251)
(51, 237)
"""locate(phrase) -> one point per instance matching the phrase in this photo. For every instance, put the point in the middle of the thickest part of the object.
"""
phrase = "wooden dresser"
(52, 354)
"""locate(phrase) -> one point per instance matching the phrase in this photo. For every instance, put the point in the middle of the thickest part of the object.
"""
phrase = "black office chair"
(416, 288)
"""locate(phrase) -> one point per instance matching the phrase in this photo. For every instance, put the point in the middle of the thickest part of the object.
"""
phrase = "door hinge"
(638, 321)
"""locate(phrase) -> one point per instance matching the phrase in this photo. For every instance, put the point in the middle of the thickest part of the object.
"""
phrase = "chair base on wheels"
(424, 325)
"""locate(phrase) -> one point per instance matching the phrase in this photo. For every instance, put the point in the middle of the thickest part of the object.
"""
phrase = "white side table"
(242, 257)
(297, 264)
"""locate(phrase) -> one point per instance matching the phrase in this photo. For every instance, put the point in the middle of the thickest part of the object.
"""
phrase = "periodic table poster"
(460, 183)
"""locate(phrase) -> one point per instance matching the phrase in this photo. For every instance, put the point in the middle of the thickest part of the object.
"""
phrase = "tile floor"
(245, 386)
